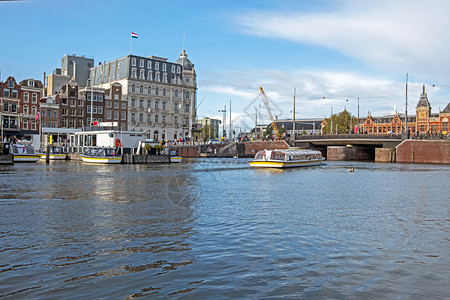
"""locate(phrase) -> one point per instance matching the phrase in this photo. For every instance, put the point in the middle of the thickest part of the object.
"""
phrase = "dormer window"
(164, 66)
(30, 83)
(133, 61)
(173, 69)
(156, 65)
(141, 63)
(149, 64)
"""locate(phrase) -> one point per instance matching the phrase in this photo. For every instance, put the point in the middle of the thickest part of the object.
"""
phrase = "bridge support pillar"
(350, 153)
(385, 154)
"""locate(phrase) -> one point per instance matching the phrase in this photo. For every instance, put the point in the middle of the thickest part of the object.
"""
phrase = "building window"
(156, 104)
(33, 125)
(116, 104)
(156, 119)
(149, 64)
(100, 97)
(133, 88)
(80, 113)
(123, 105)
(14, 94)
(116, 115)
(14, 107)
(164, 92)
(5, 106)
(176, 93)
(141, 89)
(25, 124)
(164, 105)
(445, 124)
(123, 115)
(108, 114)
(133, 117)
(141, 63)
(157, 91)
(156, 65)
(142, 74)
(164, 67)
(100, 110)
(133, 102)
(10, 84)
(165, 77)
(141, 103)
(178, 70)
(26, 97)
(6, 93)
(25, 110)
(108, 104)
(133, 62)
(149, 90)
(116, 96)
(141, 117)
(186, 108)
(187, 95)
(173, 69)
(133, 73)
(157, 78)
(149, 75)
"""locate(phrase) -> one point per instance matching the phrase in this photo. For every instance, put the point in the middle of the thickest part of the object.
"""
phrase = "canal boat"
(101, 155)
(287, 158)
(55, 153)
(173, 156)
(24, 153)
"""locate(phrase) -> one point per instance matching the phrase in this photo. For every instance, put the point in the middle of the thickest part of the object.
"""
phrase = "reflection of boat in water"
(173, 156)
(24, 153)
(55, 153)
(286, 158)
(99, 155)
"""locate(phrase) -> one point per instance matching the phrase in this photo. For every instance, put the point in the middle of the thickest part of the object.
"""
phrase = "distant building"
(215, 124)
(161, 95)
(422, 123)
(72, 67)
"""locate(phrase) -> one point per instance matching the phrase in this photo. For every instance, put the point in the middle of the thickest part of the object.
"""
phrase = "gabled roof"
(447, 108)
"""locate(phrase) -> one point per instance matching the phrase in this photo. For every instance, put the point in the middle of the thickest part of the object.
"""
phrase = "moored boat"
(101, 155)
(55, 153)
(173, 156)
(24, 153)
(286, 158)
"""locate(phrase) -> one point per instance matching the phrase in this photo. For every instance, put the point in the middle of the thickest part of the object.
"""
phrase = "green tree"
(344, 122)
(207, 131)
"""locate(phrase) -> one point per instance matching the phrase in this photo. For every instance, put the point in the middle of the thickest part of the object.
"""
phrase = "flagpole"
(131, 43)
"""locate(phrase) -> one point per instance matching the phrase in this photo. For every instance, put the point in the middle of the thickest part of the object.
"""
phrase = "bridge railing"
(348, 136)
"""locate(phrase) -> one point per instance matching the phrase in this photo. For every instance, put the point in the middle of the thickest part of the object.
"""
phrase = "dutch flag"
(134, 35)
(37, 114)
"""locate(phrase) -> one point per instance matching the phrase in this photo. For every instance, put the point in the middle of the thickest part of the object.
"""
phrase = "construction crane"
(272, 119)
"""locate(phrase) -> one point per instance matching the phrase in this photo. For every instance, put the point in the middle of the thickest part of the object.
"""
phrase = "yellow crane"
(272, 119)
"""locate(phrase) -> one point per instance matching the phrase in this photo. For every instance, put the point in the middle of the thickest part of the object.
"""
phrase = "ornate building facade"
(160, 95)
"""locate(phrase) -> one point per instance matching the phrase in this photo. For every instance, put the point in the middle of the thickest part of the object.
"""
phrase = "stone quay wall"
(412, 151)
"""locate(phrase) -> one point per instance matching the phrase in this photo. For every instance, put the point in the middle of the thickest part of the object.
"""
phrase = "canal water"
(215, 228)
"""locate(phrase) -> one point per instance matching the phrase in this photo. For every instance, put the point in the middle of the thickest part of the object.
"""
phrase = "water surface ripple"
(216, 228)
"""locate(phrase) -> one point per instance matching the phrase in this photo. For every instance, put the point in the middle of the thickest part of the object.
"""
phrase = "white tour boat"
(101, 155)
(286, 158)
(174, 158)
(24, 153)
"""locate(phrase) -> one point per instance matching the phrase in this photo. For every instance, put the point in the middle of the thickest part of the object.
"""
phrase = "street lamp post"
(224, 110)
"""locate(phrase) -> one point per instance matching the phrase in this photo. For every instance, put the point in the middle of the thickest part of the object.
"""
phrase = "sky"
(331, 52)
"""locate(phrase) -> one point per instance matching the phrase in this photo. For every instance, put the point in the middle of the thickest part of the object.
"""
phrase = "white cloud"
(405, 35)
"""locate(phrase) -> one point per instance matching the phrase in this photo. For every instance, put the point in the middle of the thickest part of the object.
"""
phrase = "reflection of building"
(215, 125)
(160, 94)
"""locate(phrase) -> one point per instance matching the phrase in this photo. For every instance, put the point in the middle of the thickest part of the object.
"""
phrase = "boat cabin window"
(260, 155)
(109, 152)
(276, 155)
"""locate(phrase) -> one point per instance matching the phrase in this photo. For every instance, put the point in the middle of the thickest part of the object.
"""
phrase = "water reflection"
(213, 227)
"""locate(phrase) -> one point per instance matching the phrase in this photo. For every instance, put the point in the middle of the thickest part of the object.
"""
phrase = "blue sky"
(340, 50)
